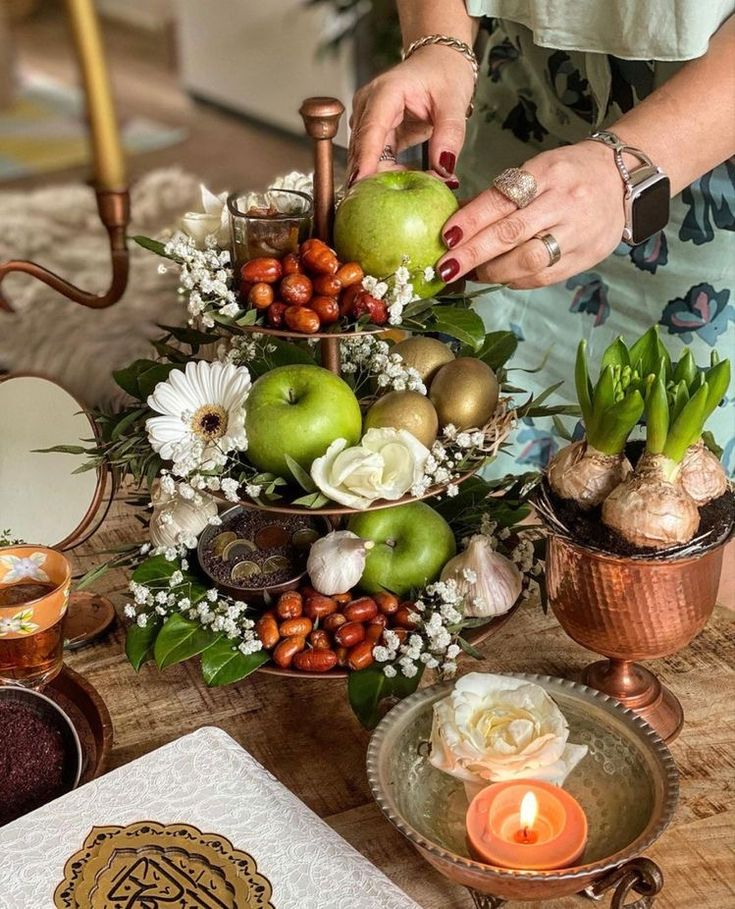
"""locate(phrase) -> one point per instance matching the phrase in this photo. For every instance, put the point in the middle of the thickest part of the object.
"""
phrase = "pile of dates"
(308, 290)
(315, 633)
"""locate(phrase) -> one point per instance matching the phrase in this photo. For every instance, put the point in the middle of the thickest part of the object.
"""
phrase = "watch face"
(650, 209)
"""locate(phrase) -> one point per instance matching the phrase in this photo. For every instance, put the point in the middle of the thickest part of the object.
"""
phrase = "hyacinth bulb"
(702, 475)
(649, 510)
(586, 476)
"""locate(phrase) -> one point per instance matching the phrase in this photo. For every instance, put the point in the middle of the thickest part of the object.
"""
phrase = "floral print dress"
(532, 98)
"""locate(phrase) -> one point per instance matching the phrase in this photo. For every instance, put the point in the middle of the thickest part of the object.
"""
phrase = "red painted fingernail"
(453, 184)
(447, 161)
(448, 270)
(353, 177)
(452, 237)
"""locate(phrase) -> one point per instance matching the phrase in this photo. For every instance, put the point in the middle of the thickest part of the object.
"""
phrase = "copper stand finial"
(321, 120)
(114, 212)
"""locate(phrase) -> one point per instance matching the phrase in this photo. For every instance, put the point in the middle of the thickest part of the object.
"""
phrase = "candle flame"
(529, 810)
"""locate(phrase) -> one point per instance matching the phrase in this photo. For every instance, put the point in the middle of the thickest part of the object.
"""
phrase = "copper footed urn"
(631, 609)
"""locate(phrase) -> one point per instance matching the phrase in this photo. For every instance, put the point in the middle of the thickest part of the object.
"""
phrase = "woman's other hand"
(579, 201)
(424, 97)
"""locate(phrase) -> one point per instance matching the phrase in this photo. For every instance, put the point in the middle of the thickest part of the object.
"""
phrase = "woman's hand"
(579, 201)
(425, 97)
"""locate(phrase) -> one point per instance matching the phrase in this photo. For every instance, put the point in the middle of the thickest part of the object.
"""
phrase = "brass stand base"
(641, 691)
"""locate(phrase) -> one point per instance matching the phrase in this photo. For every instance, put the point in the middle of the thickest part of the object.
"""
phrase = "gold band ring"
(552, 247)
(519, 186)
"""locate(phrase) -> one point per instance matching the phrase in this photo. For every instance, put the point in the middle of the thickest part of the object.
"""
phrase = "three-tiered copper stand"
(321, 118)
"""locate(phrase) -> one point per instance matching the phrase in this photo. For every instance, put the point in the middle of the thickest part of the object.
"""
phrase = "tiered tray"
(321, 118)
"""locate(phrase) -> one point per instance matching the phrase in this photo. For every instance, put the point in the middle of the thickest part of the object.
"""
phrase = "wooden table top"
(306, 735)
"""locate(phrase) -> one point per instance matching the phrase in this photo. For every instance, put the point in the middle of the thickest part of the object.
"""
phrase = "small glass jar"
(273, 223)
(34, 596)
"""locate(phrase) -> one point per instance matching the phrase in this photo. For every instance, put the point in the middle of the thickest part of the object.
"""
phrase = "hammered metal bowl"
(627, 785)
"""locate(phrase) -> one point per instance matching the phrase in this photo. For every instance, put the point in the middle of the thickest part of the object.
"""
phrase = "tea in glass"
(34, 595)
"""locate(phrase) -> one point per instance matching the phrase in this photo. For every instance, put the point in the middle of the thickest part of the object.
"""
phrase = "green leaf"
(223, 664)
(711, 443)
(141, 377)
(583, 384)
(249, 318)
(648, 352)
(139, 643)
(300, 475)
(154, 571)
(368, 688)
(533, 406)
(679, 397)
(62, 449)
(657, 416)
(718, 381)
(617, 423)
(469, 649)
(127, 421)
(560, 429)
(190, 336)
(180, 639)
(154, 246)
(497, 348)
(686, 368)
(688, 426)
(314, 500)
(463, 324)
(615, 355)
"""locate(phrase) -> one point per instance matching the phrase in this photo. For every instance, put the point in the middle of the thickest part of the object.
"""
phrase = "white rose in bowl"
(385, 465)
(176, 521)
(493, 728)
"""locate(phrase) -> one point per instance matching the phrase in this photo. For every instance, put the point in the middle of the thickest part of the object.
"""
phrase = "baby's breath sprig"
(433, 643)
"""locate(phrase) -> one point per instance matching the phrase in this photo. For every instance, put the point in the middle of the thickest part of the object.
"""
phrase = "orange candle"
(526, 825)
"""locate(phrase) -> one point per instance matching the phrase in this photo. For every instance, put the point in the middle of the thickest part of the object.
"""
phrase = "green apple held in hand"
(412, 544)
(394, 214)
(298, 411)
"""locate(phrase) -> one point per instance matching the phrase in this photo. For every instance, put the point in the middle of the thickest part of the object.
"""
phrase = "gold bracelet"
(455, 44)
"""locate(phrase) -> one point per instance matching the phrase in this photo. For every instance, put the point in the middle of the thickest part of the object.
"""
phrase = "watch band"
(619, 148)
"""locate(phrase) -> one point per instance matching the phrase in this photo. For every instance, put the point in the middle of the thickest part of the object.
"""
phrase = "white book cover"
(207, 780)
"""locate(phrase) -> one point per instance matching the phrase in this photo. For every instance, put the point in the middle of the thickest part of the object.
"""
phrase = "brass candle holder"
(113, 201)
(627, 785)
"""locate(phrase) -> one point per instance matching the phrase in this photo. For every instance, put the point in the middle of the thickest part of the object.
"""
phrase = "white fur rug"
(58, 227)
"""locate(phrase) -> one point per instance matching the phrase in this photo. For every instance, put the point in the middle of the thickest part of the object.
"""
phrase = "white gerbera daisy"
(202, 415)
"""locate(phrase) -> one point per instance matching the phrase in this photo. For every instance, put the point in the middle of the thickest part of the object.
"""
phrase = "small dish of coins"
(252, 553)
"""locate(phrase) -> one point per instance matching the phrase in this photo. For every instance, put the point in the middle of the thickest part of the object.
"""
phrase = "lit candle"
(526, 824)
(109, 164)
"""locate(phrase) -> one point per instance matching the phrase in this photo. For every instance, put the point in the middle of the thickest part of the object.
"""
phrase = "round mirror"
(42, 499)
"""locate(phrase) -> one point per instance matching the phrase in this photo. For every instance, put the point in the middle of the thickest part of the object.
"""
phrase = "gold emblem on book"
(148, 865)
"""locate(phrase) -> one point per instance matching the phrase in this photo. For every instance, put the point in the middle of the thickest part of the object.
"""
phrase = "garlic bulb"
(489, 582)
(337, 561)
(176, 521)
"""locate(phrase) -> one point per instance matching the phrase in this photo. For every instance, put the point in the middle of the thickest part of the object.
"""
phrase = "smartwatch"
(647, 191)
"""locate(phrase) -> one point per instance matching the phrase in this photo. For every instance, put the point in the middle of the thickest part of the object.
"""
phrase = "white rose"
(385, 465)
(493, 728)
(214, 219)
(175, 519)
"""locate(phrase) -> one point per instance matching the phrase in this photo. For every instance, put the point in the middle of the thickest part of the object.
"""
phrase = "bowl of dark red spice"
(252, 554)
(40, 753)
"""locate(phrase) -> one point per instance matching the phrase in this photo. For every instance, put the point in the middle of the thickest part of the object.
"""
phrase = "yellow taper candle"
(109, 164)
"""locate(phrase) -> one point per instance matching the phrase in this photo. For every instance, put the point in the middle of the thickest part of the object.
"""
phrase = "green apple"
(412, 545)
(393, 214)
(298, 411)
